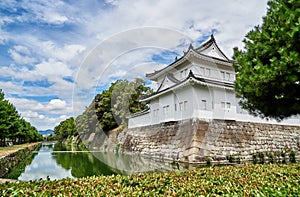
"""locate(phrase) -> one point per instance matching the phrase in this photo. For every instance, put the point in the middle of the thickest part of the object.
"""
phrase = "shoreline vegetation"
(4, 151)
(12, 157)
(243, 180)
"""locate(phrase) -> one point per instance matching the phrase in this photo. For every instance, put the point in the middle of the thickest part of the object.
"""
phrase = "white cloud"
(20, 73)
(21, 55)
(118, 41)
(64, 53)
(42, 122)
(56, 104)
(10, 88)
(231, 19)
(22, 49)
(53, 67)
(30, 115)
(50, 11)
(43, 115)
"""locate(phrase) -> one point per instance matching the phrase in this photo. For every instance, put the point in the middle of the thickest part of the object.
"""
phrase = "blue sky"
(56, 55)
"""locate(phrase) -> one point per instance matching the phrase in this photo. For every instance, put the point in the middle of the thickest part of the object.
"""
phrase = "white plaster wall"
(213, 71)
(182, 73)
(203, 93)
(140, 121)
(166, 107)
(224, 104)
(184, 101)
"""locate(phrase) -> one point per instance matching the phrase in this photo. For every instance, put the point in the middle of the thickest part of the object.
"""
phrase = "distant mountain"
(47, 132)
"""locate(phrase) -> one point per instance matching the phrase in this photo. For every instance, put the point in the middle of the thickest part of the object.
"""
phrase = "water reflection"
(81, 163)
(56, 161)
(44, 165)
(129, 164)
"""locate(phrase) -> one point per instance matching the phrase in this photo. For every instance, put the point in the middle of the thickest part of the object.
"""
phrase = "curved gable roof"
(208, 51)
(191, 78)
(210, 47)
(168, 81)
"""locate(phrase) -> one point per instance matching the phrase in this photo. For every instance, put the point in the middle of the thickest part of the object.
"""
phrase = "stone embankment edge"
(198, 141)
(8, 161)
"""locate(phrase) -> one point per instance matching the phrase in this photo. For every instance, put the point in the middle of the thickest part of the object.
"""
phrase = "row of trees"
(65, 128)
(13, 127)
(108, 109)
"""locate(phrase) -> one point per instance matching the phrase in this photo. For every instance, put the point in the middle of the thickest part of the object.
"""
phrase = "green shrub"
(254, 158)
(292, 157)
(244, 180)
(230, 158)
(271, 157)
(208, 161)
(283, 153)
(261, 157)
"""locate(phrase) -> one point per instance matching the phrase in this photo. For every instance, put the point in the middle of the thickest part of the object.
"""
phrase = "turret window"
(166, 110)
(183, 106)
(183, 73)
(225, 105)
(203, 105)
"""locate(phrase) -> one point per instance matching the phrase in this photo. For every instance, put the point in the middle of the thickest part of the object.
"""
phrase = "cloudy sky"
(57, 54)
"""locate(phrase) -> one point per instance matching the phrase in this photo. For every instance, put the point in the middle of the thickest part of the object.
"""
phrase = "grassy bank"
(11, 149)
(247, 180)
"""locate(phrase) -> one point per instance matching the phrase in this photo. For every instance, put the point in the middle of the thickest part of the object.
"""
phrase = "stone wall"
(195, 140)
(9, 161)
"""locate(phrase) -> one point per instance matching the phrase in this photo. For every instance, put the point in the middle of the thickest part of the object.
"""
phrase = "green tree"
(4, 119)
(121, 99)
(268, 68)
(109, 109)
(13, 127)
(126, 96)
(66, 128)
(103, 109)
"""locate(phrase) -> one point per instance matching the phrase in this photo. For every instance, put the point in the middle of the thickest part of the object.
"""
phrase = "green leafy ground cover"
(246, 180)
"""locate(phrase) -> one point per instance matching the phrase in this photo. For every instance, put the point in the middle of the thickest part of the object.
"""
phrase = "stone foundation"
(196, 140)
(9, 161)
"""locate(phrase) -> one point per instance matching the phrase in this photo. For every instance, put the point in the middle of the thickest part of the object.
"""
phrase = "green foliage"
(208, 161)
(261, 157)
(271, 157)
(230, 158)
(292, 157)
(80, 163)
(245, 180)
(13, 127)
(254, 158)
(19, 169)
(109, 109)
(65, 129)
(122, 98)
(268, 69)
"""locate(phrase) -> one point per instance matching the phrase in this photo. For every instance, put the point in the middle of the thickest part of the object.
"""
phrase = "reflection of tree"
(20, 168)
(81, 163)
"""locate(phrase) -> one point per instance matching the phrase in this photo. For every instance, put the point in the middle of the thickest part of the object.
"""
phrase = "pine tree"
(268, 69)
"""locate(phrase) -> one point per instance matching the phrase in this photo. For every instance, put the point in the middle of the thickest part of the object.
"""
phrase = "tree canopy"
(268, 68)
(65, 128)
(109, 109)
(13, 127)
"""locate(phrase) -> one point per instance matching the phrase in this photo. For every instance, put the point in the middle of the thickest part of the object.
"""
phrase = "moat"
(57, 161)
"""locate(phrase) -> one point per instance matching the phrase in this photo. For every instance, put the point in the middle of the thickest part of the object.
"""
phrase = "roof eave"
(192, 79)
